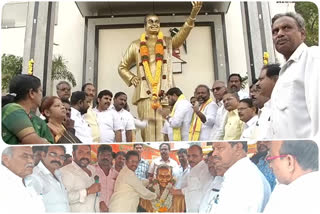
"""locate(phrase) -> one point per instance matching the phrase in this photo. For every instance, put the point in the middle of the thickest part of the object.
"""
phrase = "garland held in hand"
(154, 81)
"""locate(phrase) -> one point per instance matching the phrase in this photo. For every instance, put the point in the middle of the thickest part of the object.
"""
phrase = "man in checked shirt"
(142, 169)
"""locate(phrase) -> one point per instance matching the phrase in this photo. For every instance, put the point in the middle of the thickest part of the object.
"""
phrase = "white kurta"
(126, 121)
(127, 192)
(181, 176)
(210, 112)
(83, 130)
(249, 127)
(15, 197)
(194, 188)
(108, 122)
(300, 196)
(217, 130)
(182, 118)
(55, 196)
(244, 189)
(295, 99)
(76, 181)
(262, 126)
(210, 194)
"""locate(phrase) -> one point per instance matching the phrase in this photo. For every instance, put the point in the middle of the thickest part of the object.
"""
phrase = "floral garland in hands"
(154, 81)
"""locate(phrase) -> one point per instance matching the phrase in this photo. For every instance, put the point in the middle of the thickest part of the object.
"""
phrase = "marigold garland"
(144, 53)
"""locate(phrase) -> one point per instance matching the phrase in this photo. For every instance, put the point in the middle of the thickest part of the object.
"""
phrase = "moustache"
(29, 165)
(82, 159)
(57, 162)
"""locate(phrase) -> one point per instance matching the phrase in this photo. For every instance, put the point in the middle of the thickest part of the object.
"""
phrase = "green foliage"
(244, 82)
(11, 66)
(60, 70)
(309, 12)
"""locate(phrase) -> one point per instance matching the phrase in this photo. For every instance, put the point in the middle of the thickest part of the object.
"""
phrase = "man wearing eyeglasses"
(219, 88)
(46, 179)
(17, 163)
(295, 164)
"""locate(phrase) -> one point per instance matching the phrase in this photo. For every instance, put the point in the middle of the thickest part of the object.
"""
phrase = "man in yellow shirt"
(233, 126)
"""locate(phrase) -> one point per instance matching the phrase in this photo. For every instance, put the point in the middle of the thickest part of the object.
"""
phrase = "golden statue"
(152, 55)
(165, 201)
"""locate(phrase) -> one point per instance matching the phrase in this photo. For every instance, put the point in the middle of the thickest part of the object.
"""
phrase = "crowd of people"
(283, 103)
(226, 180)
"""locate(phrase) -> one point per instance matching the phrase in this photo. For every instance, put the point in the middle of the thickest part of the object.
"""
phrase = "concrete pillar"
(39, 41)
(257, 34)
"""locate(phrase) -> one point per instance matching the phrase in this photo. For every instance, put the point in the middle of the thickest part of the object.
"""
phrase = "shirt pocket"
(284, 97)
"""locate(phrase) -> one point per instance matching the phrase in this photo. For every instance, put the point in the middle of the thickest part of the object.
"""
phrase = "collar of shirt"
(184, 170)
(112, 107)
(306, 179)
(233, 112)
(76, 112)
(197, 168)
(236, 168)
(142, 160)
(252, 121)
(168, 161)
(294, 57)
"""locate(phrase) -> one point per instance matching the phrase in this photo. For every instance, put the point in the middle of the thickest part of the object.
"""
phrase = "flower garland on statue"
(163, 202)
(154, 81)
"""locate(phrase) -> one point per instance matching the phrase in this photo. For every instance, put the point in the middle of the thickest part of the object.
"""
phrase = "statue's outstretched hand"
(196, 7)
(135, 81)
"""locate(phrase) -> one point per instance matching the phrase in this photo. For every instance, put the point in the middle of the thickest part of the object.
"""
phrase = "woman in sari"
(19, 123)
(55, 113)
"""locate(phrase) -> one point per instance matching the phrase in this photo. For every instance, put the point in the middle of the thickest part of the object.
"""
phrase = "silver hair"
(296, 16)
(8, 151)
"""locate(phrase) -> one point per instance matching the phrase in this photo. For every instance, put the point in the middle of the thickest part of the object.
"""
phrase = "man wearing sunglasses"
(218, 89)
(46, 179)
(295, 164)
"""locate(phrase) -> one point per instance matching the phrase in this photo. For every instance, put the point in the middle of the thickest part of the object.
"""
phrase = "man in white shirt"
(296, 166)
(46, 180)
(129, 188)
(108, 119)
(244, 188)
(78, 178)
(261, 98)
(79, 106)
(193, 187)
(218, 89)
(234, 85)
(204, 115)
(248, 114)
(212, 188)
(17, 163)
(295, 99)
(183, 169)
(126, 118)
(164, 159)
(181, 114)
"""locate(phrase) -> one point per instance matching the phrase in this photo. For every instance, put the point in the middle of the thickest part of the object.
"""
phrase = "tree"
(60, 70)
(309, 12)
(11, 66)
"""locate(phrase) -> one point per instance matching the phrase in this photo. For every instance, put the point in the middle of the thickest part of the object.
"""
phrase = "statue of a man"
(165, 201)
(152, 55)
